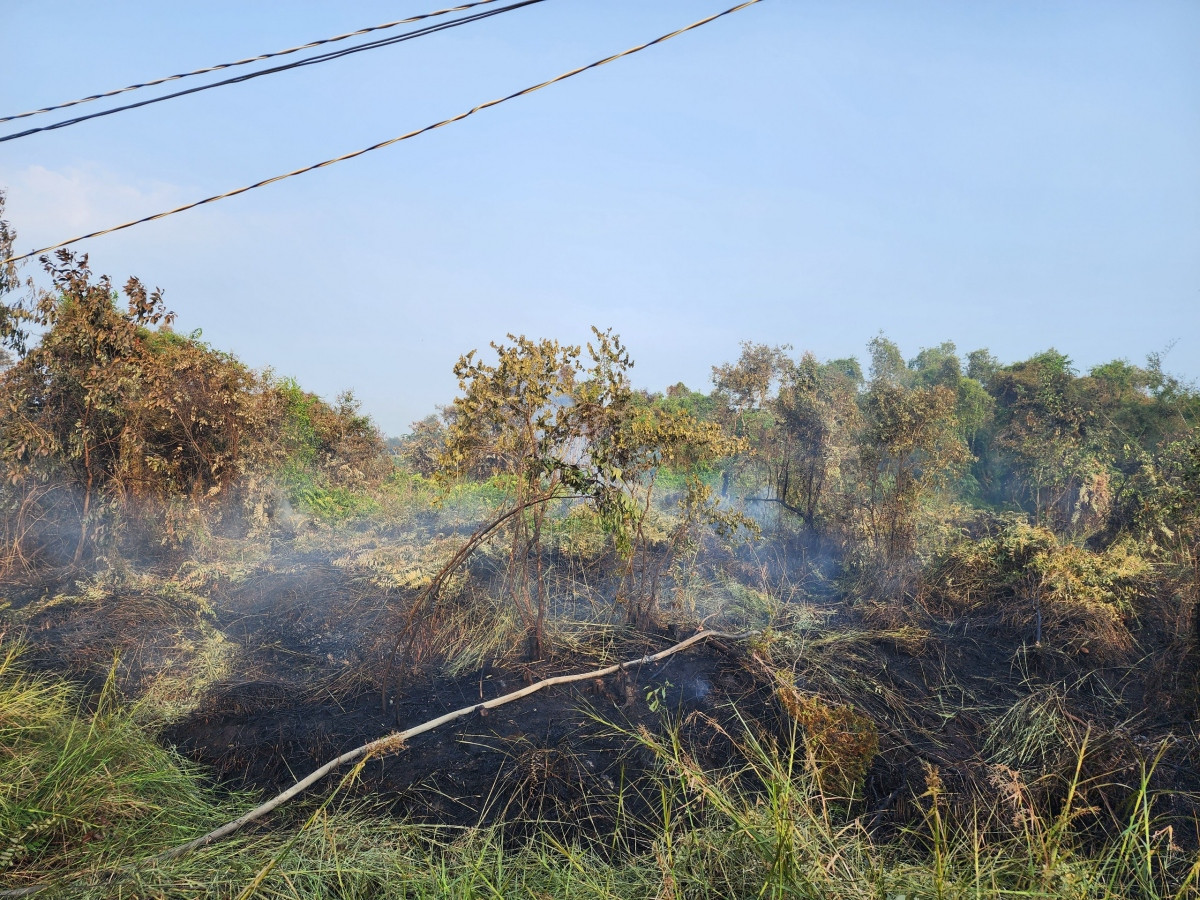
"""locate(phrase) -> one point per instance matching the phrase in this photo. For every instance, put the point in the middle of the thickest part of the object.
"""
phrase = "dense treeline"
(942, 479)
(875, 462)
(890, 469)
(118, 434)
(1074, 498)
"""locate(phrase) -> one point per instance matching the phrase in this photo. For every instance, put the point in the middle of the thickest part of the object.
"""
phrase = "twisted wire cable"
(313, 60)
(404, 137)
(248, 60)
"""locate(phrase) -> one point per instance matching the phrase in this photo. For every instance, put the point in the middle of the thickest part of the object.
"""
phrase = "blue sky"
(1011, 175)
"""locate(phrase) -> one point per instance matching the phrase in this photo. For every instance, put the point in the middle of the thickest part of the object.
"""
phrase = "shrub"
(841, 741)
(1069, 595)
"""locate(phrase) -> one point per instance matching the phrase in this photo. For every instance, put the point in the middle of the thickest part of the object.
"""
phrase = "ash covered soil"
(308, 689)
(307, 645)
(558, 754)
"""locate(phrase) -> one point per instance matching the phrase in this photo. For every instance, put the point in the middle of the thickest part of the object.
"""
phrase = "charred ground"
(309, 638)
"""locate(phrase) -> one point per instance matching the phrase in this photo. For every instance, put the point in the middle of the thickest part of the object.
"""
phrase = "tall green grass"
(85, 789)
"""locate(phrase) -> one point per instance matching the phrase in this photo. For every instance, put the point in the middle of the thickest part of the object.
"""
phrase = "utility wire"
(312, 60)
(404, 137)
(252, 59)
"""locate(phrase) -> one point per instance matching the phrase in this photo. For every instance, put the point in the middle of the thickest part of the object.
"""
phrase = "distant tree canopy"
(864, 462)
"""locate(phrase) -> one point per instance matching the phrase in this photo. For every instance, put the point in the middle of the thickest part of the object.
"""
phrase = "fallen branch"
(396, 741)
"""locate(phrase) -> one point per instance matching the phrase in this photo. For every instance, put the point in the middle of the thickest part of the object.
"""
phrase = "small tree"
(70, 395)
(556, 428)
(797, 419)
(519, 418)
(11, 334)
(744, 391)
(111, 417)
(1049, 431)
(630, 442)
(908, 446)
(420, 449)
(817, 411)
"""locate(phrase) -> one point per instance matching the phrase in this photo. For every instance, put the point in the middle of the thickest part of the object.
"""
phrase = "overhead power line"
(308, 61)
(251, 59)
(404, 137)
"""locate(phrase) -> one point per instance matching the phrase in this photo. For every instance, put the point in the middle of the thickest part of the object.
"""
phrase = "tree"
(1048, 428)
(11, 334)
(743, 391)
(940, 365)
(556, 428)
(112, 418)
(519, 417)
(887, 363)
(796, 417)
(982, 365)
(747, 385)
(1140, 404)
(630, 441)
(816, 413)
(907, 448)
(421, 448)
(936, 365)
(704, 407)
(69, 397)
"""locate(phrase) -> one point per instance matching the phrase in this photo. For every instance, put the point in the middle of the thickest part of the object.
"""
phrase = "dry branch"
(397, 741)
(429, 594)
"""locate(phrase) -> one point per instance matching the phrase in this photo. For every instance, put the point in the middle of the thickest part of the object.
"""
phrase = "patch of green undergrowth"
(85, 789)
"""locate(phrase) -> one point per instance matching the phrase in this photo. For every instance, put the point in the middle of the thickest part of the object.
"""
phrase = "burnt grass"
(562, 755)
(307, 688)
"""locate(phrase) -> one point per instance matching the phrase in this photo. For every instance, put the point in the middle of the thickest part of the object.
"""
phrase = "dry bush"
(579, 535)
(1042, 751)
(162, 629)
(120, 436)
(842, 742)
(890, 616)
(1071, 598)
(115, 428)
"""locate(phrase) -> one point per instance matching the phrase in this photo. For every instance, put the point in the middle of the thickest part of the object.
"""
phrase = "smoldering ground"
(263, 665)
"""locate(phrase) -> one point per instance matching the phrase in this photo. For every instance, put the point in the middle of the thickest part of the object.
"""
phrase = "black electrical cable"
(379, 146)
(253, 59)
(308, 61)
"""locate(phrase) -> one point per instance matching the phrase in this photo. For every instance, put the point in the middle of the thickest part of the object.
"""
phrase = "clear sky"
(1015, 175)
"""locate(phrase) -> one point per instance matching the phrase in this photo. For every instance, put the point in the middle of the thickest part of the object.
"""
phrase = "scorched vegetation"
(923, 629)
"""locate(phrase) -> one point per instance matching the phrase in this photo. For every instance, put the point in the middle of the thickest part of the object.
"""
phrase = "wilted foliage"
(115, 430)
(1072, 598)
(420, 449)
(841, 742)
(562, 429)
(908, 449)
(326, 456)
